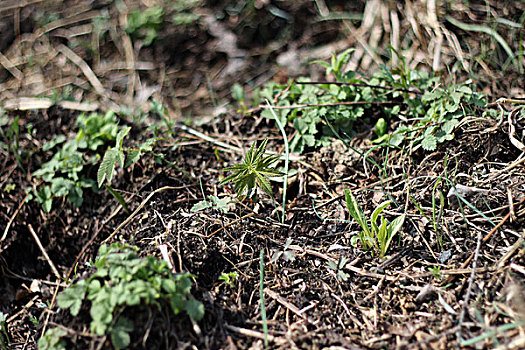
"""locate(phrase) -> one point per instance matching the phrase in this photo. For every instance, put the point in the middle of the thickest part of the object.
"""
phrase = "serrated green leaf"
(133, 157)
(202, 205)
(120, 136)
(107, 166)
(429, 143)
(71, 298)
(118, 197)
(195, 309)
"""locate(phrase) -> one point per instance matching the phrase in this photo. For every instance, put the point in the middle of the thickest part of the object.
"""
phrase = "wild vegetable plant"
(254, 172)
(64, 175)
(373, 236)
(125, 284)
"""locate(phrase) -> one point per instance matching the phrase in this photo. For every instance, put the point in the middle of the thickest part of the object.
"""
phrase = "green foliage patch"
(406, 106)
(67, 173)
(122, 281)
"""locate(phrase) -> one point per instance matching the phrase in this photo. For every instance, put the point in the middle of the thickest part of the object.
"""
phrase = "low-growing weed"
(254, 171)
(53, 339)
(4, 336)
(405, 105)
(436, 273)
(145, 24)
(66, 174)
(337, 269)
(214, 202)
(124, 282)
(228, 279)
(372, 236)
(183, 12)
(10, 141)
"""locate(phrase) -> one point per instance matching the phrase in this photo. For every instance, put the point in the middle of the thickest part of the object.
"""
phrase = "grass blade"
(286, 157)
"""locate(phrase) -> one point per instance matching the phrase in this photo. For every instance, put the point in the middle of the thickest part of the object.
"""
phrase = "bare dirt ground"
(453, 275)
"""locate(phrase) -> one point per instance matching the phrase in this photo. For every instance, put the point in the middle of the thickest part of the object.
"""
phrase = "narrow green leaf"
(118, 197)
(376, 213)
(356, 212)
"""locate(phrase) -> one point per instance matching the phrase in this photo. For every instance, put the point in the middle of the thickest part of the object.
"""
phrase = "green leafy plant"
(53, 339)
(96, 129)
(66, 174)
(337, 269)
(254, 171)
(183, 11)
(4, 336)
(436, 273)
(228, 278)
(214, 202)
(125, 282)
(117, 154)
(373, 236)
(406, 106)
(145, 24)
(11, 137)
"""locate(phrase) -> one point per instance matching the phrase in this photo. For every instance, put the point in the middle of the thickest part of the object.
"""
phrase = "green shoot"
(254, 171)
(373, 236)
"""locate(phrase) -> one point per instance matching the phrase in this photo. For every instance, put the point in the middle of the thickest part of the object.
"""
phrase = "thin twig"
(342, 103)
(12, 218)
(37, 240)
(469, 289)
(84, 67)
(230, 224)
(141, 205)
(288, 305)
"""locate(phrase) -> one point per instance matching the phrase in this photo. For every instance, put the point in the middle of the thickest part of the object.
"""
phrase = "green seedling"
(337, 269)
(254, 172)
(65, 174)
(286, 253)
(4, 336)
(214, 202)
(145, 25)
(426, 111)
(436, 273)
(228, 279)
(184, 12)
(373, 236)
(53, 339)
